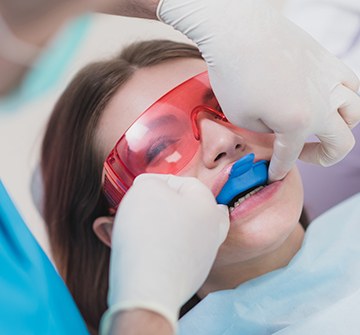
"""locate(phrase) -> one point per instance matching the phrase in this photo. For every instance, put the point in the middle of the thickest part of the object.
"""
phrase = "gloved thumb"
(224, 223)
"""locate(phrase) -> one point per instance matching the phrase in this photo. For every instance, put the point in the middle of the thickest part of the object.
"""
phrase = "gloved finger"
(224, 223)
(166, 180)
(189, 186)
(287, 148)
(335, 143)
(175, 182)
(350, 79)
(348, 103)
(195, 191)
(186, 185)
(146, 176)
(198, 193)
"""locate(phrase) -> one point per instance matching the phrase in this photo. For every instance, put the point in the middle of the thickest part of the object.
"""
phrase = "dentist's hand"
(269, 75)
(166, 235)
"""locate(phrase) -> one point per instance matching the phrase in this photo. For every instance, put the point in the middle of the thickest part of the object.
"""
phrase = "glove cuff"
(107, 318)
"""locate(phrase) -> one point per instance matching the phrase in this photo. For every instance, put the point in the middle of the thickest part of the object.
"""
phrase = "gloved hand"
(165, 238)
(269, 75)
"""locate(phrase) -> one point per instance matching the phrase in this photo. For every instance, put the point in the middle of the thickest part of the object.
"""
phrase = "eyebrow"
(207, 97)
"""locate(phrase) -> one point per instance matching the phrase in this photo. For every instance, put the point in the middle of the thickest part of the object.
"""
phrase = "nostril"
(237, 146)
(222, 154)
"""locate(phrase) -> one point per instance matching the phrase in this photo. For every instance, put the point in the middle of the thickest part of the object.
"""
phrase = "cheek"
(196, 169)
(266, 230)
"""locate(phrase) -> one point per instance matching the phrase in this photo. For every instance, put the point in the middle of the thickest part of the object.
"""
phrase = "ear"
(102, 227)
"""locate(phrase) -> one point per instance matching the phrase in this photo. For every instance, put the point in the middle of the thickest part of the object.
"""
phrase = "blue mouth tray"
(245, 174)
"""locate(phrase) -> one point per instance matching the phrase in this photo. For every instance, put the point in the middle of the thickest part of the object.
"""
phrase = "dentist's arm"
(165, 238)
(26, 27)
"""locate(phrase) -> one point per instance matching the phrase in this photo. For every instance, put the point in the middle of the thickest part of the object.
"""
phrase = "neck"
(232, 275)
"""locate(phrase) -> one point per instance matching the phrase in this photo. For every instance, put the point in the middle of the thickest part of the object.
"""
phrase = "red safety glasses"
(163, 139)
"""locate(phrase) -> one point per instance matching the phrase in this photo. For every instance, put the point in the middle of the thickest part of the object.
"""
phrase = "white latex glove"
(269, 75)
(165, 238)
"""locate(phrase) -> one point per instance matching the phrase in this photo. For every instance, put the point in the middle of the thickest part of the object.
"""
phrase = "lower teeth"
(242, 199)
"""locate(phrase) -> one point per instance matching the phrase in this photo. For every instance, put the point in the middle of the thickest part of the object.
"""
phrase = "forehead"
(145, 87)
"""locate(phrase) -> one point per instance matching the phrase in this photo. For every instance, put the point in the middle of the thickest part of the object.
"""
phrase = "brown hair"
(72, 168)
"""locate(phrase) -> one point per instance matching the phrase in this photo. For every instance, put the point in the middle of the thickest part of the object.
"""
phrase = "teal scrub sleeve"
(33, 299)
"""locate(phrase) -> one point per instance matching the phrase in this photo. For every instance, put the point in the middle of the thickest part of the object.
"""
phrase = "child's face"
(262, 222)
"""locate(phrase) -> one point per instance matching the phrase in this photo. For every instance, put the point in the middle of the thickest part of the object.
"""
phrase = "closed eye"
(158, 148)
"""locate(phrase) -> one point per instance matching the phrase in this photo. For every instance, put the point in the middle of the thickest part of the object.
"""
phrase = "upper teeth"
(246, 196)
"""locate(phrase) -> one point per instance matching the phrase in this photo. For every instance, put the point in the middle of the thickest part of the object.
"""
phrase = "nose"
(219, 142)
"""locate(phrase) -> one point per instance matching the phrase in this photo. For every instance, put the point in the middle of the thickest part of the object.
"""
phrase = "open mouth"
(240, 198)
(246, 178)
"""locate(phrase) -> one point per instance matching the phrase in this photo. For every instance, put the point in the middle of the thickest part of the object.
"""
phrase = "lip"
(221, 179)
(256, 201)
